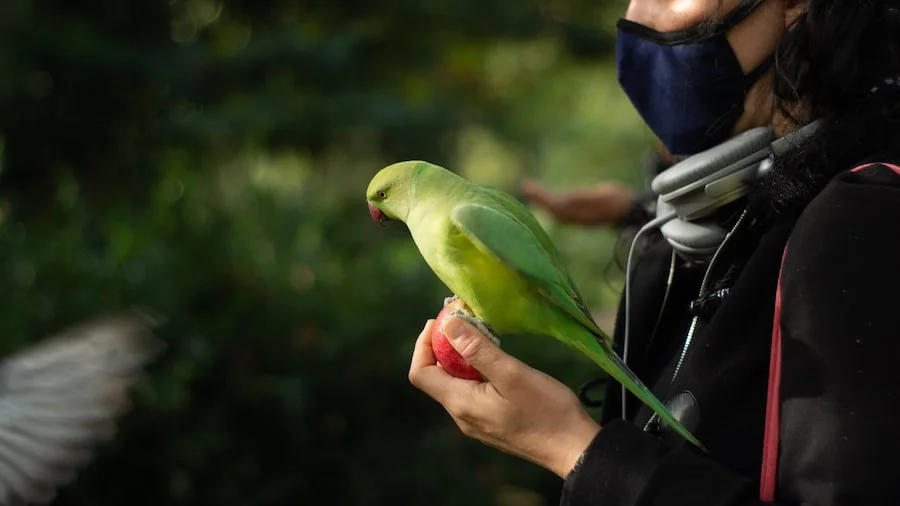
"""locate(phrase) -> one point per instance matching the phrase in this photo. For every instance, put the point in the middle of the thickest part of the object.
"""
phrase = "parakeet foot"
(448, 300)
(483, 327)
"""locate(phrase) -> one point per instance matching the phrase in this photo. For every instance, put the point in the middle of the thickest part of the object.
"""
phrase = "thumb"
(479, 351)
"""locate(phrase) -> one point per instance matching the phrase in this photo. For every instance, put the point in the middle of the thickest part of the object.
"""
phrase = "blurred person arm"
(607, 204)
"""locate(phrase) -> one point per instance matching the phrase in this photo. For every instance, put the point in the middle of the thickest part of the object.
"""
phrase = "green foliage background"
(207, 158)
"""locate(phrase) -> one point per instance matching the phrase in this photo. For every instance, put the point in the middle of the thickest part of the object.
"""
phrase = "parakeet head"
(390, 192)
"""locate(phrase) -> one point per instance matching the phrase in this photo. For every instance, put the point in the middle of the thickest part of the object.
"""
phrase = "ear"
(793, 10)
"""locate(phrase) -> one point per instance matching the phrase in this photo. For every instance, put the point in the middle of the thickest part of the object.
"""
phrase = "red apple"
(448, 358)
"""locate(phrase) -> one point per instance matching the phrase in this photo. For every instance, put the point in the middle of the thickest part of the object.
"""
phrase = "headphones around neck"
(690, 192)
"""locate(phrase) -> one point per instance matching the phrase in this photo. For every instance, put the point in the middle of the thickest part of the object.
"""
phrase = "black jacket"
(840, 392)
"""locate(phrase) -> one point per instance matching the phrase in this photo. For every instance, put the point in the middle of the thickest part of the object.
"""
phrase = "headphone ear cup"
(699, 185)
(718, 160)
(691, 238)
(696, 187)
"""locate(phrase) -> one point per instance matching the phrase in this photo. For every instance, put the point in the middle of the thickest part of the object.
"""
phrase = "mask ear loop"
(695, 34)
(743, 11)
(757, 73)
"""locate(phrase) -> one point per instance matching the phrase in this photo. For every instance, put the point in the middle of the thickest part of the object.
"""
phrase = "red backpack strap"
(891, 166)
(769, 472)
(773, 402)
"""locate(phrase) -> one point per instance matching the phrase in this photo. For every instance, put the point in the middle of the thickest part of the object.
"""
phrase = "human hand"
(605, 204)
(518, 410)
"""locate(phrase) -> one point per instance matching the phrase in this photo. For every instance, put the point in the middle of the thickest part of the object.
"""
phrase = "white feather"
(60, 398)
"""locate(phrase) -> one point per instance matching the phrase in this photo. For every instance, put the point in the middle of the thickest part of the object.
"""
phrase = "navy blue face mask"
(688, 86)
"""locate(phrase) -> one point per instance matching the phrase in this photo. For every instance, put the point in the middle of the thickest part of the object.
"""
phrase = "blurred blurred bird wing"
(59, 398)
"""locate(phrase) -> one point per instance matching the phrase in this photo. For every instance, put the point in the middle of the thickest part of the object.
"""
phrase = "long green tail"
(610, 362)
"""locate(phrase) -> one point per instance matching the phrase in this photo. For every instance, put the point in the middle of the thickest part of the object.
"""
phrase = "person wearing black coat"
(810, 264)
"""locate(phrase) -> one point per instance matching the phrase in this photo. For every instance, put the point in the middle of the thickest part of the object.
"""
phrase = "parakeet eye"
(382, 195)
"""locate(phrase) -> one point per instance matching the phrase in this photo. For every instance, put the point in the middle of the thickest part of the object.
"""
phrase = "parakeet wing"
(518, 211)
(59, 398)
(504, 237)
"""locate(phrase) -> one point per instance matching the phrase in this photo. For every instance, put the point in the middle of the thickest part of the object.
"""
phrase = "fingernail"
(454, 328)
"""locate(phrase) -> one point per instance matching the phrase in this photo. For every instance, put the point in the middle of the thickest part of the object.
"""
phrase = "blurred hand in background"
(606, 204)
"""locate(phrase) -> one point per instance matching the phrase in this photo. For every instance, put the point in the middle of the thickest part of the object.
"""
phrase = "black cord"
(706, 305)
(586, 388)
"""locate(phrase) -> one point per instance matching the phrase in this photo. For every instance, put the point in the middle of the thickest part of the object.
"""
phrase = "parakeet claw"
(448, 300)
(483, 327)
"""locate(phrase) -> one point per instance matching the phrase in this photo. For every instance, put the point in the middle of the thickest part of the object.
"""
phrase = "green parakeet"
(491, 252)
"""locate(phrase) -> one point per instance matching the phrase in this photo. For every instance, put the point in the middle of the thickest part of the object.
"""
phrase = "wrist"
(573, 445)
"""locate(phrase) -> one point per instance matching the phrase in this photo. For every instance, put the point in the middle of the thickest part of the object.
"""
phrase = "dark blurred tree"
(128, 175)
(101, 87)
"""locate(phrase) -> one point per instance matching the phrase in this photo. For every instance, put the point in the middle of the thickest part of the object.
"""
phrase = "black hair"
(839, 62)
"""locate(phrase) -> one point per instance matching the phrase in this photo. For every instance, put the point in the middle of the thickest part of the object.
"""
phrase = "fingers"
(495, 365)
(425, 373)
(423, 356)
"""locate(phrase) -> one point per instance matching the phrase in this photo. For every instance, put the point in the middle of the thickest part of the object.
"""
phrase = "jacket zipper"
(689, 338)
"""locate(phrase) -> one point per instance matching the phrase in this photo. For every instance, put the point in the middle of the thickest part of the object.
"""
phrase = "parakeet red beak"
(377, 215)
